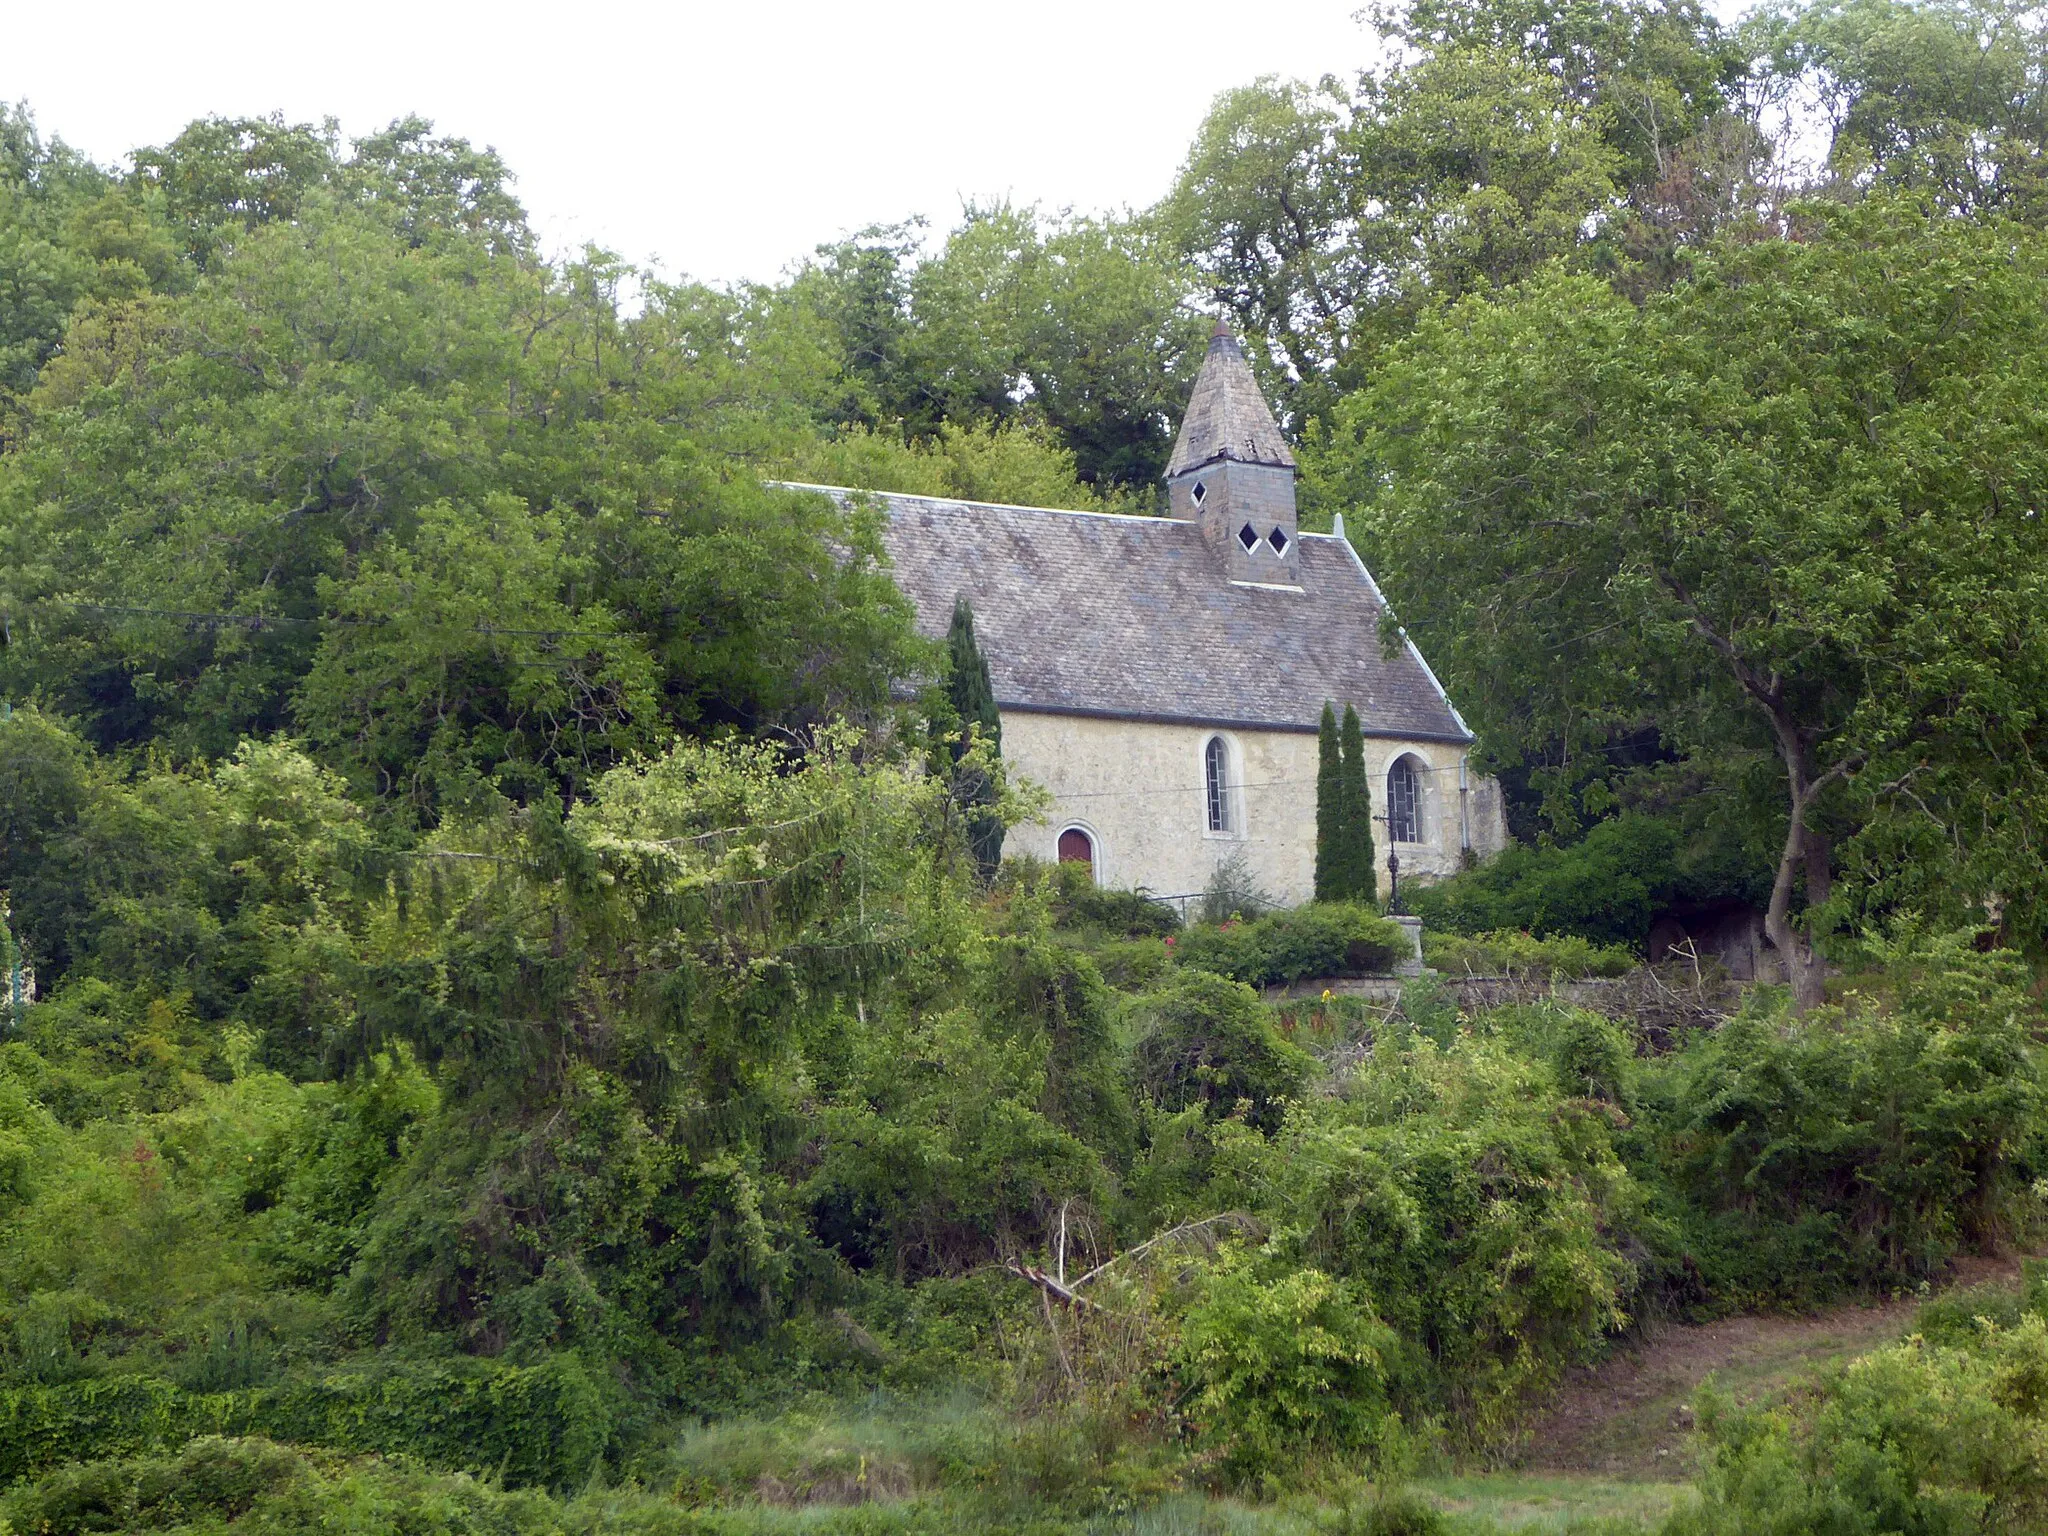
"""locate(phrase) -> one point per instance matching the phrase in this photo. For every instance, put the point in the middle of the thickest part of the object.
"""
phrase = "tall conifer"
(1329, 810)
(1360, 878)
(973, 696)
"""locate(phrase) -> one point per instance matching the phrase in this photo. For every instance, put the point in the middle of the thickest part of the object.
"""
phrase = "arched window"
(1215, 766)
(1404, 801)
(1077, 847)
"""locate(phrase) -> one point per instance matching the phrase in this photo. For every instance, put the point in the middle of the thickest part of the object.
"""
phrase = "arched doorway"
(1077, 847)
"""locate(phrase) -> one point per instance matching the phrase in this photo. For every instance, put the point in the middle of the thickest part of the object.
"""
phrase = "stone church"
(1163, 677)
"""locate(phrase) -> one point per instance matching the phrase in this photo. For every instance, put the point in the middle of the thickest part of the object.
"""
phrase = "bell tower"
(1232, 472)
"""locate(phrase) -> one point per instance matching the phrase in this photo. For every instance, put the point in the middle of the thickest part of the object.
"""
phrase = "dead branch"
(1052, 1288)
(1237, 1220)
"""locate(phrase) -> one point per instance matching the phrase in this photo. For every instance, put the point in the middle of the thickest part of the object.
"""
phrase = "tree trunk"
(1803, 968)
(1820, 876)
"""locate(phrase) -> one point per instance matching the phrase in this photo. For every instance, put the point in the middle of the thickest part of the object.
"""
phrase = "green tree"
(1077, 328)
(1946, 100)
(1324, 223)
(977, 748)
(1111, 345)
(1650, 74)
(1344, 841)
(1329, 810)
(1342, 812)
(280, 453)
(1755, 512)
(223, 177)
(1359, 875)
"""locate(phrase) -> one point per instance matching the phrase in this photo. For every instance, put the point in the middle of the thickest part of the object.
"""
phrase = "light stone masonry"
(1138, 790)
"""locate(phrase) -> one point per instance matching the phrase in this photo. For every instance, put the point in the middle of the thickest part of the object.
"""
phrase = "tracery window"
(1215, 764)
(1404, 801)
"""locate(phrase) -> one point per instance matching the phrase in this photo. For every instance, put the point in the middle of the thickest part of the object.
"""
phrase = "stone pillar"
(1412, 964)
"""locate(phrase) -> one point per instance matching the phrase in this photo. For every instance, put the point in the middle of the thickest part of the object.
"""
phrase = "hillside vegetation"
(511, 1021)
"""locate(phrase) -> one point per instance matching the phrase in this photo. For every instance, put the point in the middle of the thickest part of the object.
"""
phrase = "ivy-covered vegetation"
(527, 1029)
(733, 1095)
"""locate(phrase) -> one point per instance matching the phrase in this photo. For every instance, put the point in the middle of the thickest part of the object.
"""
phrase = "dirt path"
(1630, 1416)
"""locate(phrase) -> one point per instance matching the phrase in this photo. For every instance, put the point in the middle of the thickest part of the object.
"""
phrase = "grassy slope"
(1618, 1444)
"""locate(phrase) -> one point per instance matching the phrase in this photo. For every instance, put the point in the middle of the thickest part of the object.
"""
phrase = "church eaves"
(1227, 415)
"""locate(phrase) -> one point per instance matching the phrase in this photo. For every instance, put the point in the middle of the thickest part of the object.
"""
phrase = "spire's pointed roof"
(1227, 415)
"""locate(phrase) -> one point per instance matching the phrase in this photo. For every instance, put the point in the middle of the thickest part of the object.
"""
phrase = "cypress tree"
(1329, 810)
(973, 697)
(1360, 878)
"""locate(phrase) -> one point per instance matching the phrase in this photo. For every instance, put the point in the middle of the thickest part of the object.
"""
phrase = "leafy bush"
(1509, 952)
(1590, 1056)
(1210, 1041)
(1319, 939)
(1864, 1142)
(211, 1477)
(1920, 1438)
(1285, 1368)
(1607, 887)
(1078, 902)
(1131, 965)
(1482, 1208)
(546, 1424)
(266, 1489)
(1957, 1320)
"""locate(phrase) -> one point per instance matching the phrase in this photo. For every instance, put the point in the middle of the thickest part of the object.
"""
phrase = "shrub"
(1482, 1208)
(1284, 1370)
(1320, 939)
(1209, 1041)
(1508, 952)
(266, 1489)
(1590, 1056)
(1607, 887)
(1957, 1320)
(1131, 965)
(1078, 902)
(1917, 1439)
(1863, 1142)
(545, 1424)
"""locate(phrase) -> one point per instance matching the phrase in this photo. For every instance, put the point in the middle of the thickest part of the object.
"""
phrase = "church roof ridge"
(997, 506)
(964, 501)
(1227, 415)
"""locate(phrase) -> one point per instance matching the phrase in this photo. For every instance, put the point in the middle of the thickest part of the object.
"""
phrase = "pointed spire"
(1227, 416)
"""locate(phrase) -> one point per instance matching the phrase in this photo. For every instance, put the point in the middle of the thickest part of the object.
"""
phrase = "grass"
(1552, 1501)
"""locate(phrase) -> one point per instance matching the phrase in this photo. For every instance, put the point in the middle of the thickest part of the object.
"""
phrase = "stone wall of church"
(1139, 793)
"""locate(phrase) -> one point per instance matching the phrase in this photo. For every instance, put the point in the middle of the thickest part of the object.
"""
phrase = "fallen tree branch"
(1052, 1288)
(1187, 1229)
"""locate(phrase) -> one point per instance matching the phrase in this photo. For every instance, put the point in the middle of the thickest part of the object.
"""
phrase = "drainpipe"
(1464, 805)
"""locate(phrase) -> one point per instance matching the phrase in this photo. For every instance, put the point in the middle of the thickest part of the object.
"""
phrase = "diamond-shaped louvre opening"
(1278, 539)
(1248, 536)
(1201, 493)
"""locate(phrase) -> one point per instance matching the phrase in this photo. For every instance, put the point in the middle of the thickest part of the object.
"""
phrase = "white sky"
(723, 141)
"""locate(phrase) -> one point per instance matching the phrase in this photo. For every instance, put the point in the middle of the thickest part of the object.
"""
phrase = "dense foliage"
(734, 1090)
(527, 1032)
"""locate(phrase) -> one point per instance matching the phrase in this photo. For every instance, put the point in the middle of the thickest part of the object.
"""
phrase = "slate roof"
(1228, 417)
(1133, 618)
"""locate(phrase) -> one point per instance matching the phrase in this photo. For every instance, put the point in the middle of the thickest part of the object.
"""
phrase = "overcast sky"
(723, 141)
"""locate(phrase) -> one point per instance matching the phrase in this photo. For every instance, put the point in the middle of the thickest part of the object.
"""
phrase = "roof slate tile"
(1133, 618)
